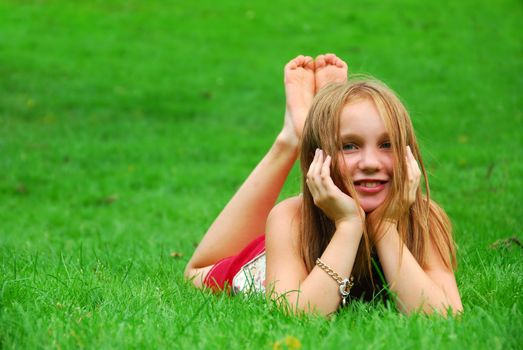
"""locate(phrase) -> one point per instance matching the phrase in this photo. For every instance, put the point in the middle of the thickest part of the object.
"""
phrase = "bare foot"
(329, 69)
(299, 92)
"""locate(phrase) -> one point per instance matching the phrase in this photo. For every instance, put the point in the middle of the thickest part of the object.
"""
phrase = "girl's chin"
(369, 206)
(369, 202)
(369, 210)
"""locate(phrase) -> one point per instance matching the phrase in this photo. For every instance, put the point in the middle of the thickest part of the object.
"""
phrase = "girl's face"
(367, 152)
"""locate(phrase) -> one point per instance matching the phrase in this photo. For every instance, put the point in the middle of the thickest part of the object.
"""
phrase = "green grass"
(125, 126)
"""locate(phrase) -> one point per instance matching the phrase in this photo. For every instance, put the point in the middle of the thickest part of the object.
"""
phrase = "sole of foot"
(299, 80)
(329, 68)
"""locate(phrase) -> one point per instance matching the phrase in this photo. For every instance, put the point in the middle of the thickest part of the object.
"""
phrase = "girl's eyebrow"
(350, 136)
(385, 135)
(356, 137)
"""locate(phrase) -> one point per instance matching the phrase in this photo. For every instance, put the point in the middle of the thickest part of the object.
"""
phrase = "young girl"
(362, 213)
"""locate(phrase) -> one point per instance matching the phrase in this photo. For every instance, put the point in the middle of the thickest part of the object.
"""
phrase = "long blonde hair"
(417, 224)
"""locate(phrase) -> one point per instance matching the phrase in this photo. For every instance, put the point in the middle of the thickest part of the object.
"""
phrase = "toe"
(340, 63)
(291, 65)
(296, 60)
(330, 58)
(320, 61)
(302, 61)
(309, 62)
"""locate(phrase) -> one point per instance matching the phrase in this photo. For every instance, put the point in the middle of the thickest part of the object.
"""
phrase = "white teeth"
(370, 184)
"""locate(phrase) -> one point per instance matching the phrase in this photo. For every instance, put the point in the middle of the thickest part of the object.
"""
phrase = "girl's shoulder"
(289, 207)
(282, 231)
(285, 217)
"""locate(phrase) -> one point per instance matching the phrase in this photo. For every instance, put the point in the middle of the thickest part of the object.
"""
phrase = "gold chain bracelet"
(344, 283)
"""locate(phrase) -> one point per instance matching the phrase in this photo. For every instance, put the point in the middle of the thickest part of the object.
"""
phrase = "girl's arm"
(429, 290)
(287, 276)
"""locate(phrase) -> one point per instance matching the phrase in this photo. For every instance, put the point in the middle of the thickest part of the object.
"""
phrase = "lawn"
(125, 126)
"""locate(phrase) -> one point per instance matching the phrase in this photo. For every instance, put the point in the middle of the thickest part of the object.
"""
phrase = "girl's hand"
(389, 218)
(338, 206)
(409, 196)
(413, 177)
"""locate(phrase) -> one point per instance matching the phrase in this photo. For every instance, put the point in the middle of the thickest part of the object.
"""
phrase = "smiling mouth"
(369, 184)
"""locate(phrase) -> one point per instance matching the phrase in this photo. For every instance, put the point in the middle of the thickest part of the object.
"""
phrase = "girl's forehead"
(360, 115)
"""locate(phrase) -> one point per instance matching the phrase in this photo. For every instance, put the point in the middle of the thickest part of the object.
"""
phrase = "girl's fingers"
(310, 173)
(414, 161)
(409, 163)
(320, 162)
(318, 176)
(413, 166)
(312, 188)
(315, 162)
(326, 185)
(325, 169)
(325, 175)
(413, 175)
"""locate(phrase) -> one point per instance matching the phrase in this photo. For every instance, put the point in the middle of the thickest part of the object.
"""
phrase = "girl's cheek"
(348, 162)
(390, 163)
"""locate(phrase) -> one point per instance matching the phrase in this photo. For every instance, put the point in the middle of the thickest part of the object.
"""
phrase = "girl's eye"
(349, 147)
(386, 145)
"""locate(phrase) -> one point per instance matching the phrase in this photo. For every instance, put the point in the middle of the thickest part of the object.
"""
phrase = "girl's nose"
(369, 161)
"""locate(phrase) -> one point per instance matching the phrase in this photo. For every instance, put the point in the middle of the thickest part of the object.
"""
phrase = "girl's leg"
(244, 217)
